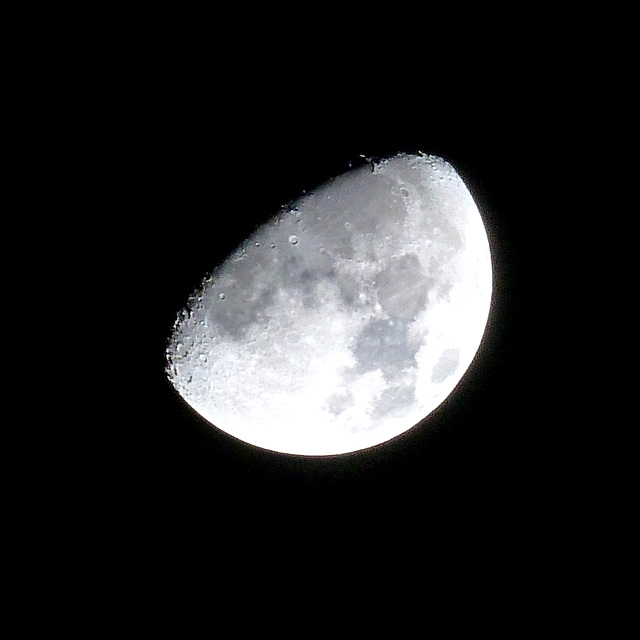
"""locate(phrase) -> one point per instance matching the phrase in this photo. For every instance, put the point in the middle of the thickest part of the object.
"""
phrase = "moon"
(346, 319)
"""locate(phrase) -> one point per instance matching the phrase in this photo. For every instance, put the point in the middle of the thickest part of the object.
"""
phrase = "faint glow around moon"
(346, 319)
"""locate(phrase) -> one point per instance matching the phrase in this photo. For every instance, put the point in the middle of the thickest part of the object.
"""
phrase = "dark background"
(198, 159)
(208, 173)
(159, 144)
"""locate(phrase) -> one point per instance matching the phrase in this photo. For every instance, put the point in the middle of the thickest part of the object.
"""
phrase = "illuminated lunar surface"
(346, 319)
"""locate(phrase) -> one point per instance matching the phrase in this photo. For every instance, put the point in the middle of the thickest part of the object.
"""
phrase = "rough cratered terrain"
(347, 318)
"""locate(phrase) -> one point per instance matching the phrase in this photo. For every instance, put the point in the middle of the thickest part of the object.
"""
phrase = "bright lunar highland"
(347, 318)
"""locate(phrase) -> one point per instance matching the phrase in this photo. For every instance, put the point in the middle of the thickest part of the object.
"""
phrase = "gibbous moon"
(346, 319)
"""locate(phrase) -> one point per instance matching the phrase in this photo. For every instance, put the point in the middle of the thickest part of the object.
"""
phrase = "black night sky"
(163, 140)
(212, 188)
(202, 169)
